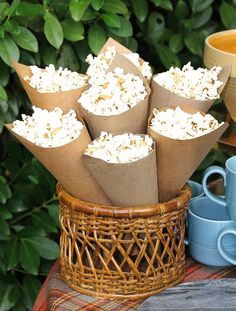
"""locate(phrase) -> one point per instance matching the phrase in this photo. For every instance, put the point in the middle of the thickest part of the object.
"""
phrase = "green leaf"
(4, 212)
(157, 2)
(72, 30)
(53, 211)
(16, 205)
(201, 18)
(96, 38)
(176, 43)
(200, 5)
(13, 7)
(46, 248)
(89, 15)
(8, 50)
(125, 30)
(97, 4)
(5, 291)
(4, 228)
(191, 41)
(26, 40)
(49, 55)
(78, 8)
(5, 75)
(11, 26)
(30, 10)
(3, 94)
(44, 221)
(29, 258)
(168, 58)
(4, 9)
(166, 5)
(31, 288)
(30, 231)
(11, 253)
(115, 6)
(15, 294)
(156, 26)
(5, 191)
(111, 19)
(53, 30)
(140, 9)
(182, 9)
(227, 15)
(68, 58)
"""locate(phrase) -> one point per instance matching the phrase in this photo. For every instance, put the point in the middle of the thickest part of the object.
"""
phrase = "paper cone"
(229, 97)
(127, 184)
(133, 121)
(121, 49)
(161, 97)
(65, 100)
(65, 163)
(178, 159)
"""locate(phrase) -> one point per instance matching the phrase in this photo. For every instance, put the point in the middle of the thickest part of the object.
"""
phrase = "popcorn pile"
(98, 65)
(199, 84)
(49, 128)
(178, 124)
(123, 148)
(114, 93)
(50, 80)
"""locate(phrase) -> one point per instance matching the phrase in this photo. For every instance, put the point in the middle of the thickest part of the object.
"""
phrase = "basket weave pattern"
(122, 252)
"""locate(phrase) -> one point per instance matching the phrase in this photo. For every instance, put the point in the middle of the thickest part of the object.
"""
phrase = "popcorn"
(125, 148)
(49, 128)
(114, 93)
(99, 64)
(178, 124)
(50, 80)
(198, 83)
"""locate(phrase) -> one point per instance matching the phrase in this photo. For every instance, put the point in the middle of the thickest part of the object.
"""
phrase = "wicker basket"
(119, 252)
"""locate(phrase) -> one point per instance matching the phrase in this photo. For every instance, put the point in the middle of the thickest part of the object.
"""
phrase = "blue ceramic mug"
(229, 175)
(197, 190)
(211, 234)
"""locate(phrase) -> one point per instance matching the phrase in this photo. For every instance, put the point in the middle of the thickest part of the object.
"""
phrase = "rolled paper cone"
(133, 120)
(66, 164)
(121, 49)
(65, 100)
(161, 97)
(178, 159)
(127, 184)
(229, 97)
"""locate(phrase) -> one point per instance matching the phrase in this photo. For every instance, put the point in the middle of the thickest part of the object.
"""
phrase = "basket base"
(134, 296)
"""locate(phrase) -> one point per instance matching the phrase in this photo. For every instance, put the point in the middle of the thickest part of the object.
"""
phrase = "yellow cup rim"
(219, 34)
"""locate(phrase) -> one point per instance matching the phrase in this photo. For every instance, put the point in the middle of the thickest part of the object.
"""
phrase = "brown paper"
(178, 159)
(119, 48)
(134, 120)
(127, 184)
(65, 163)
(65, 100)
(161, 97)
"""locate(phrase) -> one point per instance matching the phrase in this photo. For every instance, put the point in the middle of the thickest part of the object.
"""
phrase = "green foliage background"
(63, 33)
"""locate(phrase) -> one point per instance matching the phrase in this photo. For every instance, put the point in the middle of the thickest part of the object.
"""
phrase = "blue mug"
(197, 190)
(229, 175)
(211, 234)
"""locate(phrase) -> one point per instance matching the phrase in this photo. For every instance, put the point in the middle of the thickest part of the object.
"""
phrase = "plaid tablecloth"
(55, 295)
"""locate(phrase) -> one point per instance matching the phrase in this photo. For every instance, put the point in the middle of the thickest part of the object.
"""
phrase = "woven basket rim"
(172, 205)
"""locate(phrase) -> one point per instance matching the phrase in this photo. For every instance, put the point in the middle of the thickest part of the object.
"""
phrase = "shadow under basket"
(119, 252)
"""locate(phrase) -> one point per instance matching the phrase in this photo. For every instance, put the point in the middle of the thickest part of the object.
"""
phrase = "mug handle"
(209, 171)
(228, 257)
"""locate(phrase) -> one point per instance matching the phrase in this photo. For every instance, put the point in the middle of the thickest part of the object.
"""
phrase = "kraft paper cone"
(65, 100)
(127, 184)
(134, 120)
(65, 163)
(161, 97)
(178, 159)
(229, 97)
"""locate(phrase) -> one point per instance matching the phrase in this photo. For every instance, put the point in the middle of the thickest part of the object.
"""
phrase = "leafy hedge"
(164, 32)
